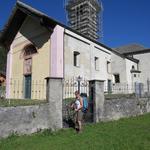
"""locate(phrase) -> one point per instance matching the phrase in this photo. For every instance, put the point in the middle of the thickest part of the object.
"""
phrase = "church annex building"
(40, 47)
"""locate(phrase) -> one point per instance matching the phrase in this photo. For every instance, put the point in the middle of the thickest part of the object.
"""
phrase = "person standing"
(77, 106)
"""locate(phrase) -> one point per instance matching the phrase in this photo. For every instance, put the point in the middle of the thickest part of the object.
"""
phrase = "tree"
(3, 58)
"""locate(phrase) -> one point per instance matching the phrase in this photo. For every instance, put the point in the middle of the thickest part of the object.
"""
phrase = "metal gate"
(146, 90)
(75, 84)
(69, 87)
(142, 90)
(28, 81)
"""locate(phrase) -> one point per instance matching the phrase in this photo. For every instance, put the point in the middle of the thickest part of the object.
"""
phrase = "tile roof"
(130, 48)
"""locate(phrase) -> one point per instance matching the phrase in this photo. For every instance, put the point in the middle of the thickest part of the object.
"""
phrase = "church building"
(39, 47)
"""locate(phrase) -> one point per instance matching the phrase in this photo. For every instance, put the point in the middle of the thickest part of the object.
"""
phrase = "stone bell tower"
(84, 17)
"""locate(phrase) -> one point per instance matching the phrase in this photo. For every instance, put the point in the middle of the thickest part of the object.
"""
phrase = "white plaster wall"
(72, 45)
(129, 75)
(101, 73)
(123, 66)
(144, 66)
(119, 67)
(87, 52)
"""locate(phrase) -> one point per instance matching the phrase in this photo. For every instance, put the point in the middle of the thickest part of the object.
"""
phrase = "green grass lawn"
(125, 134)
(26, 102)
(119, 96)
(20, 102)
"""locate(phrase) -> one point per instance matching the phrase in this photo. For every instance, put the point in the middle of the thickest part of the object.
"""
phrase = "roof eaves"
(4, 40)
(26, 9)
(135, 71)
(47, 18)
(132, 59)
(3, 32)
(138, 52)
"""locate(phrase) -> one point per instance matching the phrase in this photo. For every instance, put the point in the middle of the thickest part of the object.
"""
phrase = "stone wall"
(30, 119)
(121, 108)
(24, 119)
(105, 110)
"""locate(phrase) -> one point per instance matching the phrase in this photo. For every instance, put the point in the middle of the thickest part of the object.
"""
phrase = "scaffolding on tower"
(85, 16)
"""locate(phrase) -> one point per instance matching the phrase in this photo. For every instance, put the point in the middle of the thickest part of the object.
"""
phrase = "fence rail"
(2, 92)
(138, 89)
(18, 89)
(119, 88)
(72, 85)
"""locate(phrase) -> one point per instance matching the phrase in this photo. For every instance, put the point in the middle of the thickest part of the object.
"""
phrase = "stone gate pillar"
(54, 97)
(96, 93)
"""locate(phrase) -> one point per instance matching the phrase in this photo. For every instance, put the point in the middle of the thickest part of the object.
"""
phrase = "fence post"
(96, 93)
(148, 89)
(137, 89)
(148, 86)
(54, 97)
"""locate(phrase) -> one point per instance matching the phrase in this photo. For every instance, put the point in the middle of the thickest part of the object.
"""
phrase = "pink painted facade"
(8, 72)
(57, 53)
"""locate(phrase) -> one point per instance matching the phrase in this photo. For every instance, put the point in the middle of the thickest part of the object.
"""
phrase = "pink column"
(57, 53)
(8, 72)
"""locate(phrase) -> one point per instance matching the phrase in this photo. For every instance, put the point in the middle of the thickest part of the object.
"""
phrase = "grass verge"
(125, 134)
(19, 102)
(119, 96)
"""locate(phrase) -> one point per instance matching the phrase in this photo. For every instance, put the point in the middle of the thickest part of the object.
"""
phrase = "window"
(27, 66)
(96, 62)
(29, 50)
(108, 67)
(135, 75)
(133, 67)
(137, 66)
(117, 78)
(76, 56)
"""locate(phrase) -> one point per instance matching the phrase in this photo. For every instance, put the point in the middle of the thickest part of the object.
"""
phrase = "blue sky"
(124, 21)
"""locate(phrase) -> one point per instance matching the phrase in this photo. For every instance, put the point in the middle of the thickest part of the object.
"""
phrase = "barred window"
(76, 57)
(117, 78)
(108, 67)
(96, 61)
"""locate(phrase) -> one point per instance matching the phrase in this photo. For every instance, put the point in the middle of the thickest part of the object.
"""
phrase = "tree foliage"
(3, 57)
